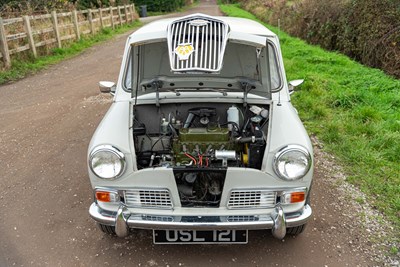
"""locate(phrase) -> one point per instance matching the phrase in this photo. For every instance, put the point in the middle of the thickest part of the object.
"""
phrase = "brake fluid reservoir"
(233, 116)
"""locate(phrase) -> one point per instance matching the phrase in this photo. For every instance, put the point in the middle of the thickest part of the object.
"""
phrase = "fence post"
(4, 45)
(28, 30)
(112, 17)
(76, 24)
(119, 15)
(101, 18)
(55, 26)
(126, 14)
(90, 17)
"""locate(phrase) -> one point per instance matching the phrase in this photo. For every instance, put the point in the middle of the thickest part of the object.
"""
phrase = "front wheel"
(295, 230)
(107, 229)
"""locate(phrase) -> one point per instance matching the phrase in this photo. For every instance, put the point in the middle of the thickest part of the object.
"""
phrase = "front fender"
(114, 129)
(285, 129)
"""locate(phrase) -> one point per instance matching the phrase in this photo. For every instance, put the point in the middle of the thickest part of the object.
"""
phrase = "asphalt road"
(46, 122)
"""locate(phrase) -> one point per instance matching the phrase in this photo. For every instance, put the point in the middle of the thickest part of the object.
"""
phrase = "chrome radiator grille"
(197, 43)
(242, 199)
(148, 198)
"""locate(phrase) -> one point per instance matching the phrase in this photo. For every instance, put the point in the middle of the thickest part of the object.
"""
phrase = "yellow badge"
(184, 51)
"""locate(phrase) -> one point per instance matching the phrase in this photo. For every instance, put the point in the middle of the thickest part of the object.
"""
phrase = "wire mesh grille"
(152, 198)
(251, 199)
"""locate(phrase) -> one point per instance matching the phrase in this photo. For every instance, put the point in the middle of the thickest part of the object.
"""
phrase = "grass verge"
(353, 109)
(22, 68)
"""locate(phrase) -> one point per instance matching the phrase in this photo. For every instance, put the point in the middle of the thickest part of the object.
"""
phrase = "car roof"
(158, 29)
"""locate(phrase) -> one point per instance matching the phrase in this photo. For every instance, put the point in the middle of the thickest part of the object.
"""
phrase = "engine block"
(200, 141)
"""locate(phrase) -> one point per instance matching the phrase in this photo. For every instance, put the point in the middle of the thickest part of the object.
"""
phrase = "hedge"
(365, 30)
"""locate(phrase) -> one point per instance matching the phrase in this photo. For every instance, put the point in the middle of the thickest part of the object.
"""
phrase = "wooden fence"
(33, 32)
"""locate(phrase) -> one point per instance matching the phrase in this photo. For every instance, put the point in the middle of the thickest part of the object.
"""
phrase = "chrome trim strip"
(206, 50)
(190, 42)
(197, 47)
(215, 45)
(277, 59)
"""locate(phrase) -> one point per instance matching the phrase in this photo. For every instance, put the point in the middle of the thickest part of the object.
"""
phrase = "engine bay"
(200, 142)
(200, 136)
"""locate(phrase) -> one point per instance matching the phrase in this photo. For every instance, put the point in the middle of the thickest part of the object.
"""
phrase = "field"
(353, 110)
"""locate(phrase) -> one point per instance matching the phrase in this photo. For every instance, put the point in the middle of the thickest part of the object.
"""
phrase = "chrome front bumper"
(123, 220)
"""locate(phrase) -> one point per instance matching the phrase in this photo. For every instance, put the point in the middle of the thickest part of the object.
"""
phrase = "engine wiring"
(192, 158)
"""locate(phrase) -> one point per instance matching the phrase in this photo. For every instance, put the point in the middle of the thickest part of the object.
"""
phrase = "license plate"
(200, 237)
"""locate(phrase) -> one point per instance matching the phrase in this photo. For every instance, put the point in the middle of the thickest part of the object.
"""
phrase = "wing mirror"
(293, 84)
(107, 87)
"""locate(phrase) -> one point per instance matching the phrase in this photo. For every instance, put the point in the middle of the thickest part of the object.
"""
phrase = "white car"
(201, 142)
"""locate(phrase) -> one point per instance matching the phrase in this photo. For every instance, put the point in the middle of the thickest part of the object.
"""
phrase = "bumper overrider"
(123, 220)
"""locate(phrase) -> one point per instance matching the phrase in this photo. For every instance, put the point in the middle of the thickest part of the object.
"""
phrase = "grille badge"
(184, 51)
(198, 22)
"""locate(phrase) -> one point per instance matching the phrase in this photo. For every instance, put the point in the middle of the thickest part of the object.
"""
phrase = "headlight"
(292, 162)
(107, 162)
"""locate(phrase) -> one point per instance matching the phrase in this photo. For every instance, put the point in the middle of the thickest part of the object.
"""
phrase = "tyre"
(295, 230)
(107, 229)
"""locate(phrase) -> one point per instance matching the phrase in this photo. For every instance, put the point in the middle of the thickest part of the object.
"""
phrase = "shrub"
(365, 30)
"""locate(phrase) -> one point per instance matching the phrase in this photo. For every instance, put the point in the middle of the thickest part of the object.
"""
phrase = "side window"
(274, 68)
